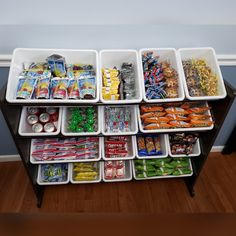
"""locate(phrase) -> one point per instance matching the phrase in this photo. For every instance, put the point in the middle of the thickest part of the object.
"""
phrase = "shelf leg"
(190, 187)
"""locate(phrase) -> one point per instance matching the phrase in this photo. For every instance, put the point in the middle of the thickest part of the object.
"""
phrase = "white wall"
(81, 12)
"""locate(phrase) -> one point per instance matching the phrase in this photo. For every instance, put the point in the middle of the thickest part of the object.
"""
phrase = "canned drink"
(32, 119)
(49, 127)
(51, 110)
(37, 128)
(33, 110)
(44, 118)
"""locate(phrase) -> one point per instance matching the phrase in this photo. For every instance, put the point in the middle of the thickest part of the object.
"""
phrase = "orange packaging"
(198, 116)
(157, 126)
(198, 109)
(146, 108)
(201, 123)
(176, 117)
(156, 120)
(176, 110)
(152, 114)
(186, 105)
(179, 124)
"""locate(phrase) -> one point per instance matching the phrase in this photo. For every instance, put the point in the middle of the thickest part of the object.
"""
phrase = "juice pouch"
(59, 88)
(73, 89)
(25, 88)
(57, 66)
(42, 90)
(87, 87)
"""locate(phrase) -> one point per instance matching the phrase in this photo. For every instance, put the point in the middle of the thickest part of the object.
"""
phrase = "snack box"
(30, 55)
(209, 55)
(65, 118)
(99, 178)
(115, 57)
(165, 54)
(164, 148)
(130, 147)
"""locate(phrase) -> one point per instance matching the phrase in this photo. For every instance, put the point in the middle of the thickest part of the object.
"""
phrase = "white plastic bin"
(162, 177)
(26, 130)
(128, 173)
(174, 129)
(67, 160)
(116, 57)
(209, 55)
(165, 54)
(134, 123)
(196, 150)
(99, 178)
(65, 119)
(164, 148)
(40, 182)
(29, 55)
(130, 147)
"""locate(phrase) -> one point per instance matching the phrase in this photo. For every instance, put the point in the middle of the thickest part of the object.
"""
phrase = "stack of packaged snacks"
(83, 119)
(87, 171)
(149, 145)
(114, 170)
(175, 115)
(116, 146)
(119, 84)
(42, 119)
(117, 119)
(54, 79)
(201, 80)
(51, 173)
(161, 80)
(162, 167)
(182, 143)
(65, 149)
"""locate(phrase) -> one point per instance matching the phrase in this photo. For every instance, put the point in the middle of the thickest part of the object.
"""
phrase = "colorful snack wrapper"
(87, 87)
(25, 88)
(150, 146)
(142, 151)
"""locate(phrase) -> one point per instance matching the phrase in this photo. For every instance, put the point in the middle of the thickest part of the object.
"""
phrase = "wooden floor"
(215, 192)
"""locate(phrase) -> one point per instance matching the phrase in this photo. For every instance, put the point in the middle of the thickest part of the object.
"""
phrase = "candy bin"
(87, 172)
(81, 120)
(202, 75)
(117, 171)
(161, 75)
(50, 174)
(119, 120)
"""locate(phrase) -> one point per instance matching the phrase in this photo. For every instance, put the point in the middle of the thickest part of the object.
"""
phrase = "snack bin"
(128, 173)
(134, 123)
(162, 177)
(33, 161)
(26, 130)
(173, 129)
(165, 54)
(39, 178)
(164, 148)
(196, 149)
(131, 150)
(29, 55)
(65, 118)
(99, 178)
(209, 55)
(115, 57)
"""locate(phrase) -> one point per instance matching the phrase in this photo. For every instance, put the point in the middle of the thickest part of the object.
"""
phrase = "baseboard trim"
(8, 158)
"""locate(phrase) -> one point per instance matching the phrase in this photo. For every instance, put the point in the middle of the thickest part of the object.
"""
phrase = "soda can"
(49, 127)
(32, 119)
(33, 110)
(44, 118)
(51, 110)
(37, 128)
